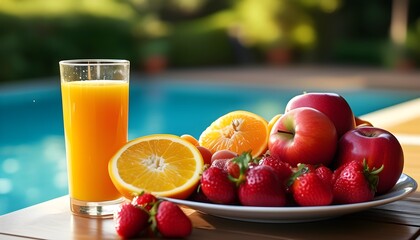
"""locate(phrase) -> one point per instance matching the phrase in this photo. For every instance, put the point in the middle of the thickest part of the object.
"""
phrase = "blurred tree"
(36, 34)
(154, 34)
(251, 28)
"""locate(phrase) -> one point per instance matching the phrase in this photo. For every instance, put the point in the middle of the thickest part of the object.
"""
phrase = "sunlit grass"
(46, 8)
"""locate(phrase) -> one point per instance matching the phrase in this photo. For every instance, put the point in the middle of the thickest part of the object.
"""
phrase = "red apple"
(379, 147)
(331, 104)
(303, 135)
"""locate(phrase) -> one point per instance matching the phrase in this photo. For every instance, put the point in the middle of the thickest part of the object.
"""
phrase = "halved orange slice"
(238, 131)
(162, 164)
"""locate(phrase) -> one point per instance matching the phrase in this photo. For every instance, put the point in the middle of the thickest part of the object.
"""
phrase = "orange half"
(162, 164)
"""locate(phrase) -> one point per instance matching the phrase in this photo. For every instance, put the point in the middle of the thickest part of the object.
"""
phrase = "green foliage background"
(36, 34)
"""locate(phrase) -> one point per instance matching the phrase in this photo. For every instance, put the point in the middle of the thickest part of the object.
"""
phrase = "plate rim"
(404, 186)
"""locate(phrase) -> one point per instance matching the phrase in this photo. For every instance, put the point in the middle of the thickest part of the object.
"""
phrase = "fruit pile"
(316, 153)
(146, 216)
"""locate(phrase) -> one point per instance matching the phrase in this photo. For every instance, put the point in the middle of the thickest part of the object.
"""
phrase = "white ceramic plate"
(404, 186)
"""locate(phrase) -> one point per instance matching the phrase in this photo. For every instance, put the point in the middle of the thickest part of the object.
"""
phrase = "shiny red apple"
(303, 135)
(331, 104)
(379, 147)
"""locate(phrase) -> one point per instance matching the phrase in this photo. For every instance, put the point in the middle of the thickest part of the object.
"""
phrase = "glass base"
(104, 209)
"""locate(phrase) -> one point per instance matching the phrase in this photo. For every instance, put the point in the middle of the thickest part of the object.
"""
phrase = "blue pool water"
(32, 153)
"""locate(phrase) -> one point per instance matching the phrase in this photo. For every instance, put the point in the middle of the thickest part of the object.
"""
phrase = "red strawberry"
(220, 163)
(130, 220)
(238, 167)
(145, 200)
(170, 221)
(257, 185)
(217, 187)
(261, 188)
(354, 182)
(325, 174)
(282, 169)
(309, 189)
(232, 168)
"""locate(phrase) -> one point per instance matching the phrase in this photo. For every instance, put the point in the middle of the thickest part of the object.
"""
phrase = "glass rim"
(93, 62)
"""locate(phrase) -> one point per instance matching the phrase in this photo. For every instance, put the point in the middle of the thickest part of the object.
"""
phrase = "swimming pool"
(32, 153)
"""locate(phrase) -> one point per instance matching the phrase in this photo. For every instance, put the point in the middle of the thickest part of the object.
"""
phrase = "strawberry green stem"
(152, 218)
(372, 175)
(242, 161)
(302, 169)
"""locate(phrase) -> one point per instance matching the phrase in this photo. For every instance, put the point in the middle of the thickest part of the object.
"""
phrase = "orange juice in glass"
(95, 112)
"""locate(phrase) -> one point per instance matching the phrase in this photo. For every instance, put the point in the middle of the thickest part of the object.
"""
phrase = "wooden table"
(53, 220)
(397, 220)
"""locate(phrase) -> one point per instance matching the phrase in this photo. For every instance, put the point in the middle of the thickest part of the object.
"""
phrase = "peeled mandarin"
(237, 131)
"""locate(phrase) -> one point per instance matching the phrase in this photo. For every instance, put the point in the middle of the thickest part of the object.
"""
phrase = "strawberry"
(282, 169)
(232, 168)
(226, 165)
(170, 221)
(237, 166)
(217, 187)
(325, 174)
(232, 165)
(257, 185)
(130, 220)
(354, 182)
(261, 187)
(309, 189)
(145, 200)
(220, 163)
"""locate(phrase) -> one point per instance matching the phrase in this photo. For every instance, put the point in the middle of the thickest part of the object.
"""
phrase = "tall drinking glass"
(95, 111)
